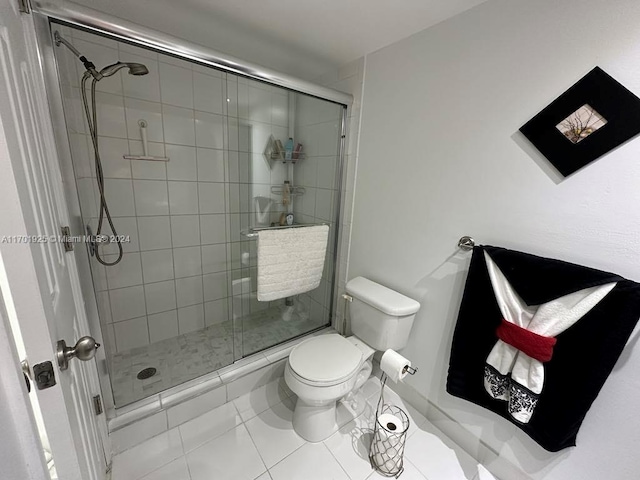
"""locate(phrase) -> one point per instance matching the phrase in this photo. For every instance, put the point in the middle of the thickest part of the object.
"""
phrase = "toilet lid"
(325, 359)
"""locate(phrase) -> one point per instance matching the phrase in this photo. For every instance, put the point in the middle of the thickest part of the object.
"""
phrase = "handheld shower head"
(91, 114)
(134, 69)
(137, 69)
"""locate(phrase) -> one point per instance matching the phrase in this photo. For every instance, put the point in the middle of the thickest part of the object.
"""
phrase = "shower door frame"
(121, 30)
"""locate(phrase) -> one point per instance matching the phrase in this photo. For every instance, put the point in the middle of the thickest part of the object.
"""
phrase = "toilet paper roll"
(389, 441)
(394, 365)
(390, 423)
(385, 464)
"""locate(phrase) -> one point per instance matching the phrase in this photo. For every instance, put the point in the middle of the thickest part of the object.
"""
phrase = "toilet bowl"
(324, 369)
(321, 371)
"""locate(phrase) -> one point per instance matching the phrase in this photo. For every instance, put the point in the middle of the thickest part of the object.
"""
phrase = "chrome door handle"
(84, 349)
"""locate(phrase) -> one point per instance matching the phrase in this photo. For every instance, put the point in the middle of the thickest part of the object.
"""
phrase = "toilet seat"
(325, 360)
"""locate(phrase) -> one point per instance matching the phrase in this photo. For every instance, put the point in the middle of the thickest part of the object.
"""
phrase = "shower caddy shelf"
(293, 191)
(295, 157)
(272, 153)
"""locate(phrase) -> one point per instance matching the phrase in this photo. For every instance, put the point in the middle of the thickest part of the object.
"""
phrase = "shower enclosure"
(202, 174)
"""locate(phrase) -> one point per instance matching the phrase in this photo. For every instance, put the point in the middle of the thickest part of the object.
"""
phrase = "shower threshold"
(269, 360)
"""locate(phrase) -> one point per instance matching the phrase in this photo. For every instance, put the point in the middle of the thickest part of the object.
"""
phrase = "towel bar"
(253, 231)
(466, 243)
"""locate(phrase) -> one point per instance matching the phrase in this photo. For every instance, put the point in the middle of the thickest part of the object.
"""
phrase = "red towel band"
(534, 345)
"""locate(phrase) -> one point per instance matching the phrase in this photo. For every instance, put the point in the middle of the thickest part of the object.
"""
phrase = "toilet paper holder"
(410, 370)
(391, 426)
(395, 366)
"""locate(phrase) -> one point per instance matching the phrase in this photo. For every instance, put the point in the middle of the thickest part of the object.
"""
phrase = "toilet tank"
(380, 317)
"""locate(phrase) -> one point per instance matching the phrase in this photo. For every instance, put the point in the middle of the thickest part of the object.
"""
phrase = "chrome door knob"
(84, 349)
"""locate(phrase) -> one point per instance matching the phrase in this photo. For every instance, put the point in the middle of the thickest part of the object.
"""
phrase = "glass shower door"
(189, 174)
(165, 307)
(261, 117)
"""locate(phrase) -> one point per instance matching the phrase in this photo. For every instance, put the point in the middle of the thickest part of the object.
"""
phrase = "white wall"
(440, 157)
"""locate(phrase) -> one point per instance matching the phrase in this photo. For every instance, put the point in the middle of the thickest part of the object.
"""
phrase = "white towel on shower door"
(290, 260)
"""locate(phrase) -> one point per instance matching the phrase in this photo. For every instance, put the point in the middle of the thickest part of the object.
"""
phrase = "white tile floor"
(252, 438)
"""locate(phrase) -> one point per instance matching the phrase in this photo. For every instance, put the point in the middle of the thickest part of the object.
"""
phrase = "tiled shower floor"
(252, 437)
(193, 354)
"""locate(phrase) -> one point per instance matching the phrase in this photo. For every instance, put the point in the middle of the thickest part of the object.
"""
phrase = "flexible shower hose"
(92, 120)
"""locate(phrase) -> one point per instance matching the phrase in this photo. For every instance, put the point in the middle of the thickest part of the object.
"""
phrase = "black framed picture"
(590, 119)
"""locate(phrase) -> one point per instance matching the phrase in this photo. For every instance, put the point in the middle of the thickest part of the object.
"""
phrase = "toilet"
(324, 369)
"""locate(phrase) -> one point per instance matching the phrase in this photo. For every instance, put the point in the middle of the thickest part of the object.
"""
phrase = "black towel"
(583, 356)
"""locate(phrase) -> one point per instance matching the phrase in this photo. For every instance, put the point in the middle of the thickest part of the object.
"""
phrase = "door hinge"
(97, 404)
(66, 239)
(24, 6)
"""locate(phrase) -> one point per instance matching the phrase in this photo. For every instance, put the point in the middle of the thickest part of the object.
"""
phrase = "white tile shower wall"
(183, 216)
(264, 110)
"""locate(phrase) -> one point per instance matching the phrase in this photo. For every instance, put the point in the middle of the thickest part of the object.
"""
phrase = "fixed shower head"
(134, 69)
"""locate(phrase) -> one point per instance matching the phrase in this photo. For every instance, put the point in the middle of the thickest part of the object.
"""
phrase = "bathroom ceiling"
(305, 38)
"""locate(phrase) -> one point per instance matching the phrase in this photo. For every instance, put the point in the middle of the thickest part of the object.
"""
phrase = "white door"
(42, 278)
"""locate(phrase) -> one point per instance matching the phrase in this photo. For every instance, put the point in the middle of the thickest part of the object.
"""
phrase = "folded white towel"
(290, 260)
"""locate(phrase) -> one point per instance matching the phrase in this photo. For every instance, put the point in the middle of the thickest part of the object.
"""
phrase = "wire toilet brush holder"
(389, 436)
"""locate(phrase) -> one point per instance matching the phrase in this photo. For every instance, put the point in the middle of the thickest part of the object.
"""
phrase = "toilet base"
(315, 423)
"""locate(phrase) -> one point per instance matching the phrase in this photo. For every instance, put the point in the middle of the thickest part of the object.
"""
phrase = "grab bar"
(253, 231)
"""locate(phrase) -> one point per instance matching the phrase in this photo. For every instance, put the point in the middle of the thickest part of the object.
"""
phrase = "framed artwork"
(590, 119)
